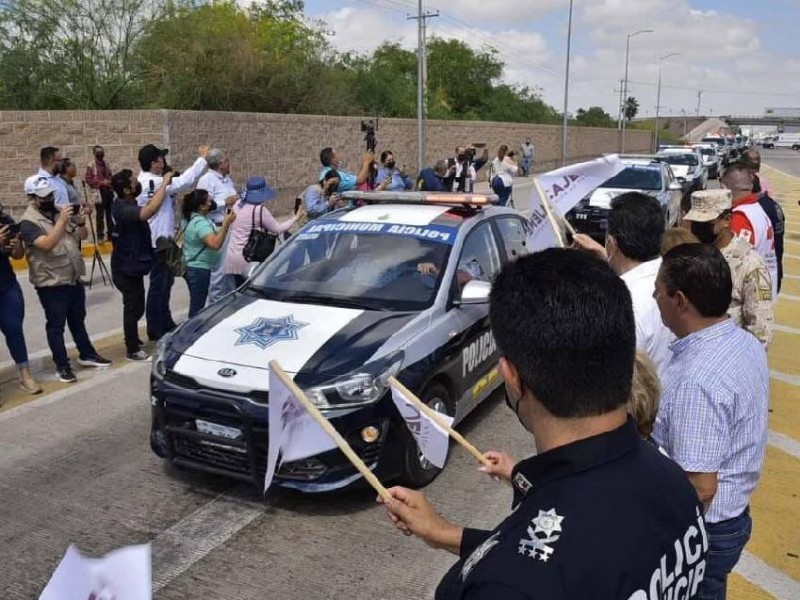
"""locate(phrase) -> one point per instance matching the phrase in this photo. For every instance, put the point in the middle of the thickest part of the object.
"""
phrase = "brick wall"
(284, 148)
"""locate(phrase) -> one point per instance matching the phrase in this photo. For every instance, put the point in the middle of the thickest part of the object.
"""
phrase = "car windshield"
(707, 151)
(636, 178)
(358, 265)
(680, 159)
(717, 141)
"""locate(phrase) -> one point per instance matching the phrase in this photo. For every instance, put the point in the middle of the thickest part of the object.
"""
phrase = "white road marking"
(787, 276)
(789, 297)
(795, 256)
(785, 377)
(786, 329)
(769, 579)
(783, 442)
(99, 378)
(191, 539)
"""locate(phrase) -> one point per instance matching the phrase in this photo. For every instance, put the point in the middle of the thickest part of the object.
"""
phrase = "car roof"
(677, 151)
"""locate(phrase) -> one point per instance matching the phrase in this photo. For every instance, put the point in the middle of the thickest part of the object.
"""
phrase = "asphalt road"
(783, 159)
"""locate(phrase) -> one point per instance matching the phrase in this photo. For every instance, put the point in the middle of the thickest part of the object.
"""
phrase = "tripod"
(97, 258)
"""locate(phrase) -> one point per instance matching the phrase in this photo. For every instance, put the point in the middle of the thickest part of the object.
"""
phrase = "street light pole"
(658, 94)
(422, 66)
(625, 85)
(566, 90)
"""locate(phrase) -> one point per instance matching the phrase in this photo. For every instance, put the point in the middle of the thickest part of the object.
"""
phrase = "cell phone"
(228, 210)
(479, 145)
(298, 202)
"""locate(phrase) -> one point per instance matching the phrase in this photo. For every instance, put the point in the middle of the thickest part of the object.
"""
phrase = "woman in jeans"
(252, 213)
(201, 243)
(12, 304)
(505, 169)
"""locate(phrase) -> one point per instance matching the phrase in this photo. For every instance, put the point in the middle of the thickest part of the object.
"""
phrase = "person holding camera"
(252, 212)
(201, 244)
(12, 303)
(504, 168)
(162, 230)
(98, 177)
(55, 268)
(133, 255)
(347, 181)
(463, 169)
(399, 181)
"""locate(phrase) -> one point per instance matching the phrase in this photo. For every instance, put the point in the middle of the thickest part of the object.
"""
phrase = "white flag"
(432, 440)
(564, 188)
(123, 574)
(293, 433)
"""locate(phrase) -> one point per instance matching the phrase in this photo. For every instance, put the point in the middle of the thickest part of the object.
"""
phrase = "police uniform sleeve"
(471, 539)
(495, 591)
(757, 311)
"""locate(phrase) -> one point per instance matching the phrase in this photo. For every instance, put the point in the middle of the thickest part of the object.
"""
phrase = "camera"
(368, 127)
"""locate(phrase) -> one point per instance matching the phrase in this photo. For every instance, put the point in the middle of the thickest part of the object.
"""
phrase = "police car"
(396, 286)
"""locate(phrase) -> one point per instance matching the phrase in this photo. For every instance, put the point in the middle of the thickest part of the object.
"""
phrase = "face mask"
(515, 406)
(47, 206)
(212, 206)
(138, 191)
(704, 232)
(461, 157)
(99, 156)
(390, 165)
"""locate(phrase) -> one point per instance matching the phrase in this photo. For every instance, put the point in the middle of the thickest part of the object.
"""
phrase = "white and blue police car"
(396, 285)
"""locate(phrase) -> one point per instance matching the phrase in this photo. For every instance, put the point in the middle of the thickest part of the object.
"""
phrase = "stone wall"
(284, 148)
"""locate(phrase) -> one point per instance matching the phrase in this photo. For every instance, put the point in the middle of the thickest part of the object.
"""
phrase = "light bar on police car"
(446, 198)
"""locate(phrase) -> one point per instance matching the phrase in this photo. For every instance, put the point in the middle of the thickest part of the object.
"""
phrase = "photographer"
(55, 268)
(464, 168)
(347, 181)
(162, 230)
(399, 181)
(12, 303)
(133, 256)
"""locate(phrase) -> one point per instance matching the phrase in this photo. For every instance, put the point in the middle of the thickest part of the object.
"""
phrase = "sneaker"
(138, 356)
(66, 375)
(95, 361)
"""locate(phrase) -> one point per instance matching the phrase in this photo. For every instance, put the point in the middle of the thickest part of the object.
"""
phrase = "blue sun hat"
(257, 191)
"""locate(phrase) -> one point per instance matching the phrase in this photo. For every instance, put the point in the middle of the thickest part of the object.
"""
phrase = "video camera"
(369, 127)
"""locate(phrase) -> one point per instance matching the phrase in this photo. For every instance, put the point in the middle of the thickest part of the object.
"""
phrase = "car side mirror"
(475, 292)
(675, 186)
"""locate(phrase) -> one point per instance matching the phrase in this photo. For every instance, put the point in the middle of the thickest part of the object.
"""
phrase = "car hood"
(602, 197)
(321, 342)
(680, 170)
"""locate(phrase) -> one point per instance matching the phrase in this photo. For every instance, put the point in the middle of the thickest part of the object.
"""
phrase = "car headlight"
(160, 356)
(365, 386)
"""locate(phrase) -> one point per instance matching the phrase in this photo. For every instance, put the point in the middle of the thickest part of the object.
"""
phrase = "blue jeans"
(159, 317)
(726, 540)
(503, 192)
(12, 313)
(197, 280)
(527, 164)
(65, 304)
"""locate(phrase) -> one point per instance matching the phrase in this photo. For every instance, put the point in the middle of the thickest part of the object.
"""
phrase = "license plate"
(581, 216)
(223, 431)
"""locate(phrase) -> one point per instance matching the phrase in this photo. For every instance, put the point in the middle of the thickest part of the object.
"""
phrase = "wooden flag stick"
(548, 211)
(331, 431)
(569, 226)
(437, 418)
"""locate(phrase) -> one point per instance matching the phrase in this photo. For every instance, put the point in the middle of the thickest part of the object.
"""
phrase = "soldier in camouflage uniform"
(751, 305)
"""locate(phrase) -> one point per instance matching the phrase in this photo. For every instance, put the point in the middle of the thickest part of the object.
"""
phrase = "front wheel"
(417, 470)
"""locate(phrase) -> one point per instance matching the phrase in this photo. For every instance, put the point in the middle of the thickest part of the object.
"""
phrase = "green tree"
(631, 108)
(386, 82)
(79, 54)
(594, 117)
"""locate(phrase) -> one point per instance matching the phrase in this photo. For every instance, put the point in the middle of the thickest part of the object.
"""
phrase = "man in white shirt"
(162, 230)
(50, 161)
(633, 242)
(217, 182)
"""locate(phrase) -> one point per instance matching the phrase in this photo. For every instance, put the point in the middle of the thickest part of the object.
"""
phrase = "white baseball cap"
(37, 185)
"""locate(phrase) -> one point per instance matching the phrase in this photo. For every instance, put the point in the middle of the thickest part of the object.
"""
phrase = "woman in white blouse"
(504, 168)
(252, 212)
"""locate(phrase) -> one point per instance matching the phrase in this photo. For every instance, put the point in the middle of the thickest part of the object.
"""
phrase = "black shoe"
(138, 356)
(66, 375)
(95, 361)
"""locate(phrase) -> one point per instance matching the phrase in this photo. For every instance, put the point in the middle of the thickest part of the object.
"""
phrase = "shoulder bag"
(260, 244)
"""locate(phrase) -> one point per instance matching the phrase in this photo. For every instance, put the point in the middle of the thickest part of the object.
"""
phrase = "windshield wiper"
(339, 302)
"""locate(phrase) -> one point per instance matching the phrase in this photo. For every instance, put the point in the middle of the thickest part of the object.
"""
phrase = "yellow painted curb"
(783, 352)
(741, 589)
(87, 251)
(784, 416)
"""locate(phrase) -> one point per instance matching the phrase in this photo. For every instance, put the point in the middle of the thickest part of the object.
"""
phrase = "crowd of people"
(640, 369)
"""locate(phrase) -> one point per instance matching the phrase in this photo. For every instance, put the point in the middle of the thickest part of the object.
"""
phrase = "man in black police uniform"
(599, 513)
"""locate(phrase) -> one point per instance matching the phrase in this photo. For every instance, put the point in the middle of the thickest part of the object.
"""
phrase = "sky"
(740, 54)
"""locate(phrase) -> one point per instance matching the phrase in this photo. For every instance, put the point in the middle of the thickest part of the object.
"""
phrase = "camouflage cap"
(708, 205)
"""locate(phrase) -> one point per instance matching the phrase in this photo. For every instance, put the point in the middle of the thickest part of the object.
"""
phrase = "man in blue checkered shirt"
(713, 415)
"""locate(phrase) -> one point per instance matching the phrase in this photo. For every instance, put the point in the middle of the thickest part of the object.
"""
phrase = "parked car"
(643, 174)
(710, 158)
(688, 167)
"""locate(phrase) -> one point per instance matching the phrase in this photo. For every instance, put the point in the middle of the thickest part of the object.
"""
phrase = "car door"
(474, 374)
(512, 233)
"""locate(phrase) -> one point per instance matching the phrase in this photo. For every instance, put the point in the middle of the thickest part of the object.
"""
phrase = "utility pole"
(566, 90)
(422, 72)
(625, 85)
